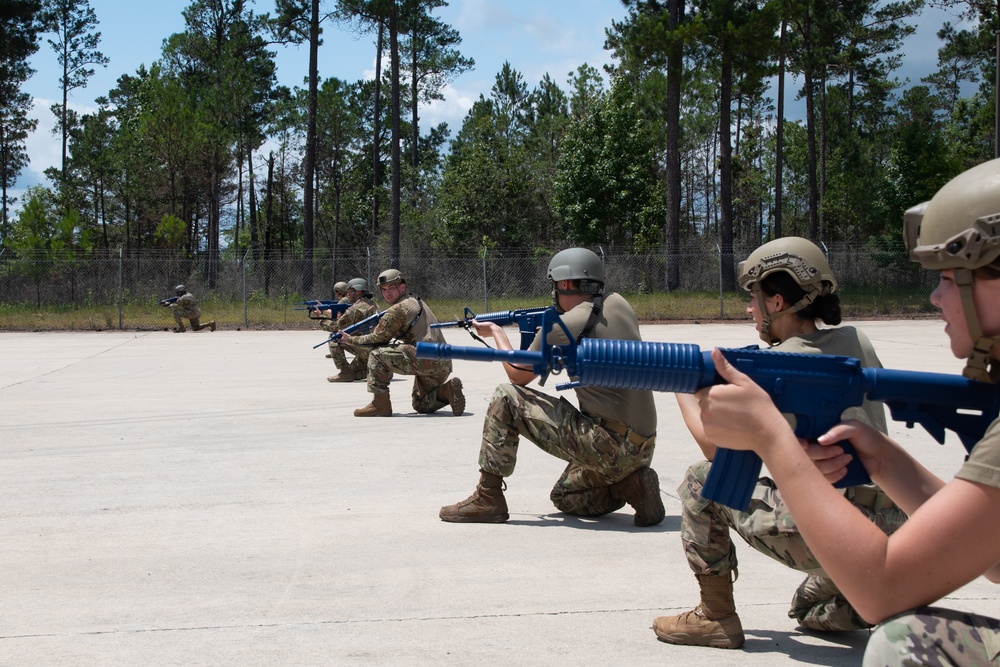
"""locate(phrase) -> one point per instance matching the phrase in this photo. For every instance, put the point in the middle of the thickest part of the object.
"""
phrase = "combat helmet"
(576, 264)
(180, 290)
(340, 288)
(802, 260)
(959, 229)
(359, 284)
(390, 277)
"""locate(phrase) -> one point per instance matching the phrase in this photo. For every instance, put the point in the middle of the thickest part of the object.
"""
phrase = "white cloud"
(45, 148)
(452, 109)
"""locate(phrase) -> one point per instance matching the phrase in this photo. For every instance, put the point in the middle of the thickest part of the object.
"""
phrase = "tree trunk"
(726, 166)
(308, 239)
(377, 135)
(675, 69)
(394, 238)
(779, 138)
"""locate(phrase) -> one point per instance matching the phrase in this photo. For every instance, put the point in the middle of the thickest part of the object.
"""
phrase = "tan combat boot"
(712, 623)
(641, 490)
(343, 376)
(451, 393)
(379, 407)
(485, 505)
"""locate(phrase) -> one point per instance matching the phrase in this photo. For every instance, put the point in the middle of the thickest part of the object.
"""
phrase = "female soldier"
(792, 289)
(950, 538)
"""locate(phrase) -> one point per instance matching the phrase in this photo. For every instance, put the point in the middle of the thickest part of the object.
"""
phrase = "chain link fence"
(120, 289)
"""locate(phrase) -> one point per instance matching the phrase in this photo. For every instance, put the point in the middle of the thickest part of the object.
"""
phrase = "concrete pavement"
(209, 499)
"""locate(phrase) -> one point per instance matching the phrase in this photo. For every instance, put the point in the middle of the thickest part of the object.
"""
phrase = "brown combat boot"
(641, 490)
(379, 407)
(212, 325)
(451, 393)
(485, 505)
(712, 623)
(179, 329)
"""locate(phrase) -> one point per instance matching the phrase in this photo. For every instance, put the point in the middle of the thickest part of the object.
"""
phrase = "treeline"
(203, 152)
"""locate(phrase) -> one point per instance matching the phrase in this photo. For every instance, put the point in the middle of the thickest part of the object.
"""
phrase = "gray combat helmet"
(959, 229)
(180, 290)
(359, 284)
(802, 260)
(578, 264)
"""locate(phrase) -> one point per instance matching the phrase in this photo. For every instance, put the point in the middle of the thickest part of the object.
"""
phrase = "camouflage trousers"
(935, 637)
(596, 457)
(428, 374)
(357, 365)
(192, 315)
(768, 527)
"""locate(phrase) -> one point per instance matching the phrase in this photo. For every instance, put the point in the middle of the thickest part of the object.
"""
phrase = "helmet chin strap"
(979, 366)
(768, 318)
(571, 292)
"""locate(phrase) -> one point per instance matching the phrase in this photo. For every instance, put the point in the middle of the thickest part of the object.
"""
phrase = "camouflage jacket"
(186, 302)
(406, 321)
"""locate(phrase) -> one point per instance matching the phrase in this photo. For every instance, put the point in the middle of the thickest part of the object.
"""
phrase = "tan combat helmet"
(959, 229)
(340, 288)
(390, 277)
(800, 258)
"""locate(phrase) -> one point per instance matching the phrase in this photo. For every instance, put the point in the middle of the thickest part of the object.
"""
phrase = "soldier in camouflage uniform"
(340, 293)
(406, 321)
(362, 307)
(950, 538)
(792, 288)
(608, 443)
(187, 306)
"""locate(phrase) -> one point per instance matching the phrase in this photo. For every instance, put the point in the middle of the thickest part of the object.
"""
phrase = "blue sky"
(535, 36)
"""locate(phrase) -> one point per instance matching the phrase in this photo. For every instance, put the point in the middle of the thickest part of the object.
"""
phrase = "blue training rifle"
(528, 321)
(362, 327)
(335, 307)
(815, 388)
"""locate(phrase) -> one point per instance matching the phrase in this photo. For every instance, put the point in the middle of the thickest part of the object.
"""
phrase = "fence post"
(722, 314)
(603, 265)
(368, 251)
(245, 325)
(486, 292)
(121, 297)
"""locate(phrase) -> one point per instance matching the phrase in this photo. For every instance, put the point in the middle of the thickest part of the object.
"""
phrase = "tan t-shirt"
(983, 464)
(616, 322)
(845, 342)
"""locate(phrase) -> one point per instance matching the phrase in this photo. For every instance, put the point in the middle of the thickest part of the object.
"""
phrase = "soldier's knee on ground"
(590, 502)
